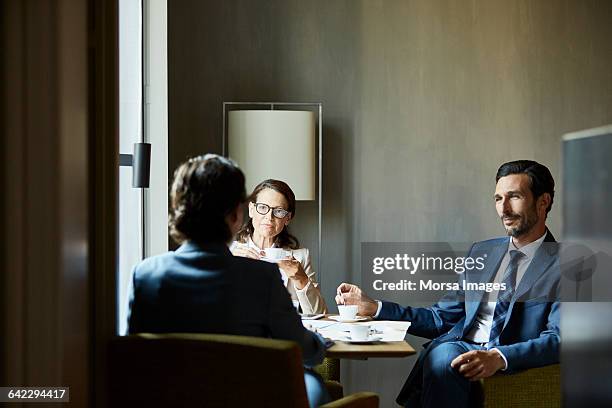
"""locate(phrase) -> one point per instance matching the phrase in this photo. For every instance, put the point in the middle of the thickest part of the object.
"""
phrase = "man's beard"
(526, 222)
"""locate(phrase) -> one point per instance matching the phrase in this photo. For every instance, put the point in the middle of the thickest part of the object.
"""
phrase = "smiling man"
(477, 334)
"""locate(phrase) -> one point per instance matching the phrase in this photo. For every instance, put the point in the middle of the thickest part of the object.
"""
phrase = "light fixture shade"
(274, 144)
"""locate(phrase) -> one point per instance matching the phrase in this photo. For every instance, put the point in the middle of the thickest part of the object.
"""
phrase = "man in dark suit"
(201, 287)
(477, 334)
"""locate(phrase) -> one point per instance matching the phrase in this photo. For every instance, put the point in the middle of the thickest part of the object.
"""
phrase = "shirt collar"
(530, 249)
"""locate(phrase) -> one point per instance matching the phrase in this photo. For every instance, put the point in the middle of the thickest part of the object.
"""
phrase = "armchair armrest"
(357, 400)
(334, 389)
(534, 388)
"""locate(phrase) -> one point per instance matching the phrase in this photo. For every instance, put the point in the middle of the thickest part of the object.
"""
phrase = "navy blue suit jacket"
(204, 289)
(530, 336)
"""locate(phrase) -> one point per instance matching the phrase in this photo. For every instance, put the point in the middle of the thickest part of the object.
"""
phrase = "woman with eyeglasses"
(271, 209)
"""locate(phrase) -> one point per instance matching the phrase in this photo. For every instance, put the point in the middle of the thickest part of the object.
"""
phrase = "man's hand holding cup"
(348, 294)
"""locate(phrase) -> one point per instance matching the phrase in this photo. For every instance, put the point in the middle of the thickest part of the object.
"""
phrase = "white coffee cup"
(276, 253)
(359, 332)
(348, 312)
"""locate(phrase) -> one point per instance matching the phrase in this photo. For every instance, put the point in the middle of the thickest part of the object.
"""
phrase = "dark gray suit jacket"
(204, 289)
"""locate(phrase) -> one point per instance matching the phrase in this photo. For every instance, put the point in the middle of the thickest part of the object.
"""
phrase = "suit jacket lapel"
(544, 257)
(538, 266)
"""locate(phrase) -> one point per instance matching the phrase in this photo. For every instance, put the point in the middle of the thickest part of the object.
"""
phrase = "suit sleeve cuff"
(504, 357)
(379, 303)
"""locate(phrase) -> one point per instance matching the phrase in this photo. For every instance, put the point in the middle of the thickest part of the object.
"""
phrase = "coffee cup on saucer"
(360, 332)
(275, 254)
(348, 312)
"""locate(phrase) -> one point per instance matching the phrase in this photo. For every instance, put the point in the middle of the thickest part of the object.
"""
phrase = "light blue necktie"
(503, 299)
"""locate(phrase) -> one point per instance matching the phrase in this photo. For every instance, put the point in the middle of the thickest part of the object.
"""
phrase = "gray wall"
(423, 100)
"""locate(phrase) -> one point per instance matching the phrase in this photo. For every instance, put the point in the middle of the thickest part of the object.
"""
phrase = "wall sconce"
(140, 161)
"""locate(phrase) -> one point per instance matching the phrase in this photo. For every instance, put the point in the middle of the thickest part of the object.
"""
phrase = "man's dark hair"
(204, 191)
(541, 181)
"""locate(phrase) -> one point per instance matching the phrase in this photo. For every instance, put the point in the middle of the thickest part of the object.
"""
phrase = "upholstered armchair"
(211, 370)
(534, 388)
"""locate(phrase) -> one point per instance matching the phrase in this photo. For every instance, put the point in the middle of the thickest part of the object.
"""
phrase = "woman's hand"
(247, 252)
(294, 270)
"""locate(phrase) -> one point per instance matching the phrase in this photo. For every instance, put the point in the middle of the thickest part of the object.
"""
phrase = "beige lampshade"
(274, 144)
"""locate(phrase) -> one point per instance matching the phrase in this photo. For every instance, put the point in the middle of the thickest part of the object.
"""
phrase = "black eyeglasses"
(277, 212)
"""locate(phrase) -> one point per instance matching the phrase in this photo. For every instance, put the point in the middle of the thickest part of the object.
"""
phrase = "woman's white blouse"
(309, 297)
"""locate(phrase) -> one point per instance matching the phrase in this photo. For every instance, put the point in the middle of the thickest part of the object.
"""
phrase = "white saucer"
(357, 319)
(370, 339)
